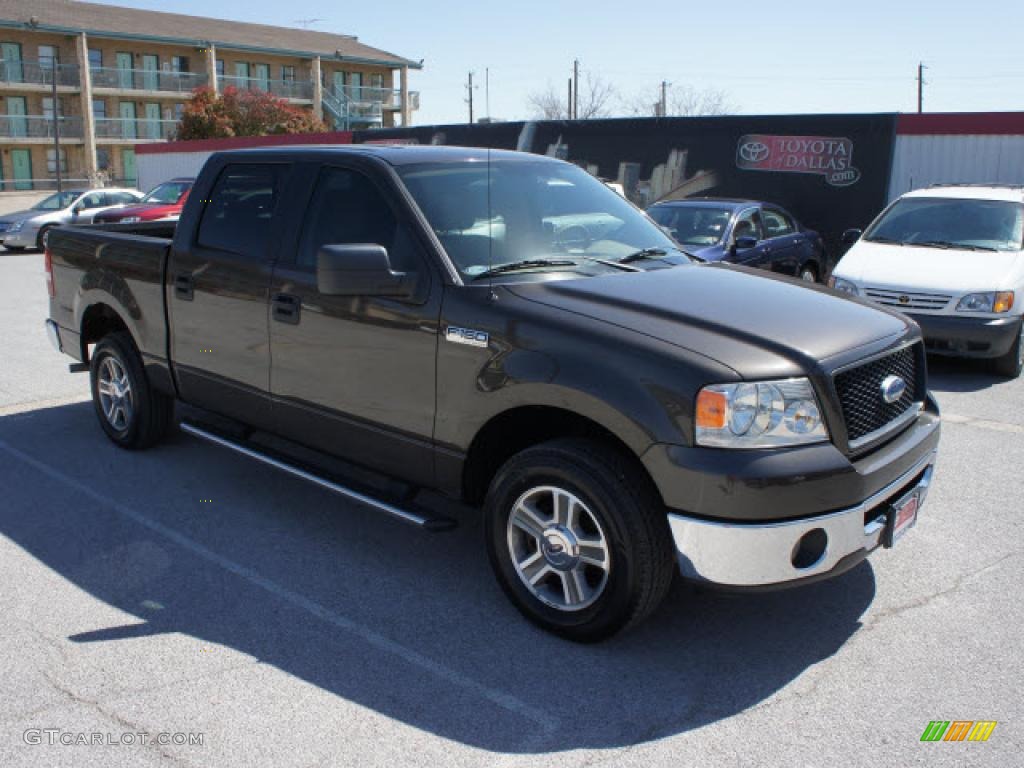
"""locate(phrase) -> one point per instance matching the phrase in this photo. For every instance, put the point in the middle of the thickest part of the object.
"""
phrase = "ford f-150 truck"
(504, 329)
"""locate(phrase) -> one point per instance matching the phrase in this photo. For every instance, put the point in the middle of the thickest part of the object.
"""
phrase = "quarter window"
(348, 209)
(238, 215)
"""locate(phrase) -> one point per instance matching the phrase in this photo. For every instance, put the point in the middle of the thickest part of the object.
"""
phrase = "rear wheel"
(132, 413)
(577, 540)
(1010, 364)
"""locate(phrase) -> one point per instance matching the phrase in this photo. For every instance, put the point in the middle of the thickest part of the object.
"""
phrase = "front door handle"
(285, 308)
(184, 288)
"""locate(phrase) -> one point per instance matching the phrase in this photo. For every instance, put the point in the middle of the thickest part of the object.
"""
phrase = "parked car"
(746, 232)
(162, 203)
(27, 229)
(618, 410)
(951, 258)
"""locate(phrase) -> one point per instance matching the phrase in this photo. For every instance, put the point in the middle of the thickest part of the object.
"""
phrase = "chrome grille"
(907, 300)
(860, 392)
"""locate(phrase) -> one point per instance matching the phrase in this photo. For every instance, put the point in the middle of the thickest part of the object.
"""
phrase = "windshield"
(167, 193)
(519, 210)
(58, 201)
(693, 224)
(952, 223)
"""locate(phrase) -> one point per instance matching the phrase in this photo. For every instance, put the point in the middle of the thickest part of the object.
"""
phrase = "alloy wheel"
(115, 391)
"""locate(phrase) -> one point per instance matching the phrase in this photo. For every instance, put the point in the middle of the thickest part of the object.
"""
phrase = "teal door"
(12, 71)
(131, 176)
(124, 70)
(21, 163)
(339, 83)
(355, 87)
(17, 123)
(263, 77)
(152, 121)
(241, 74)
(128, 128)
(151, 72)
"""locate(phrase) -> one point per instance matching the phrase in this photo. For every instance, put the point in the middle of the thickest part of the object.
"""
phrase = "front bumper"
(749, 556)
(968, 336)
(23, 238)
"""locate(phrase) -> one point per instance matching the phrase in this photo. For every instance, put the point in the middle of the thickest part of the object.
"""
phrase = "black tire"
(150, 413)
(809, 273)
(616, 494)
(41, 237)
(1010, 364)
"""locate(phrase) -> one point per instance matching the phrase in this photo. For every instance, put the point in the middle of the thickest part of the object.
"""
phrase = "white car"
(951, 258)
(27, 229)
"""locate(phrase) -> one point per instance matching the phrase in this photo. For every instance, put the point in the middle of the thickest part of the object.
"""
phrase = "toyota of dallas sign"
(821, 155)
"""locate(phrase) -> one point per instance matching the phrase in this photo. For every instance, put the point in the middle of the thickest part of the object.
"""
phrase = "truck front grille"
(860, 393)
(904, 300)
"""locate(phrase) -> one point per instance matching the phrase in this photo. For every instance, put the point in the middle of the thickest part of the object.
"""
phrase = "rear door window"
(238, 216)
(777, 223)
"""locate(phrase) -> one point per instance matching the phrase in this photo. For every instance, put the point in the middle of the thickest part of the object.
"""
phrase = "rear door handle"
(285, 308)
(184, 288)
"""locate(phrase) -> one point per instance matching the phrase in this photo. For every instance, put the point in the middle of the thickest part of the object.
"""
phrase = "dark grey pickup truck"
(504, 329)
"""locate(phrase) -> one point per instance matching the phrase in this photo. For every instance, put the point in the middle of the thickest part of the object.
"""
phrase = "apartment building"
(108, 78)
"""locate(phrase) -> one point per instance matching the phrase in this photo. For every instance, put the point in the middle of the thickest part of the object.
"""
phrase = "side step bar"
(433, 524)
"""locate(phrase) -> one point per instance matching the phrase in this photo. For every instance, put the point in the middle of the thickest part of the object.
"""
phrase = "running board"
(433, 524)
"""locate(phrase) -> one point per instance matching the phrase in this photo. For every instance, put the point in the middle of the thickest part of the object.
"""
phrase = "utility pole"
(920, 87)
(56, 123)
(575, 90)
(469, 90)
(663, 109)
(487, 92)
(568, 109)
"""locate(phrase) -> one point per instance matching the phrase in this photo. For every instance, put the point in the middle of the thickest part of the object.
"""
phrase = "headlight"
(16, 226)
(997, 302)
(843, 285)
(766, 414)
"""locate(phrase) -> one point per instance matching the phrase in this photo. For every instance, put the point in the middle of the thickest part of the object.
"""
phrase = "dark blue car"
(745, 232)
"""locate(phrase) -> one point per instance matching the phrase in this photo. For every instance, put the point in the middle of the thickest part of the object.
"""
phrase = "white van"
(951, 257)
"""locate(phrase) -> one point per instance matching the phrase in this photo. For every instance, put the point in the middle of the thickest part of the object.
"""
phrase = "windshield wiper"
(514, 266)
(946, 245)
(883, 239)
(644, 253)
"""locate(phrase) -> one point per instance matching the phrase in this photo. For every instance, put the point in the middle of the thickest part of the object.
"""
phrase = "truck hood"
(909, 267)
(758, 324)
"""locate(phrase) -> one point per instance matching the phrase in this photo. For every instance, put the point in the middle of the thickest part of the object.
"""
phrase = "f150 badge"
(467, 336)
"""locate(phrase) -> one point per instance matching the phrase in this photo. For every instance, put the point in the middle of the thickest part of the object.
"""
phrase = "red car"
(163, 202)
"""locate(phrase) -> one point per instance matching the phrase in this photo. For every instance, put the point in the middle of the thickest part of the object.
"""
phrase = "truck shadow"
(947, 374)
(408, 624)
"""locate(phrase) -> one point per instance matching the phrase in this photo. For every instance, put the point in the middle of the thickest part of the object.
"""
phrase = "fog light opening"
(810, 549)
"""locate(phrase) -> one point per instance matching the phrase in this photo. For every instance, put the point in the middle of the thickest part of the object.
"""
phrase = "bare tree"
(683, 101)
(595, 100)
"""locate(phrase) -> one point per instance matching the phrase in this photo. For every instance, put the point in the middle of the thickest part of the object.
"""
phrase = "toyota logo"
(904, 299)
(893, 388)
(753, 151)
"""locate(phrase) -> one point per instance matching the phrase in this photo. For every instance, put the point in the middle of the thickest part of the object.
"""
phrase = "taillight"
(48, 266)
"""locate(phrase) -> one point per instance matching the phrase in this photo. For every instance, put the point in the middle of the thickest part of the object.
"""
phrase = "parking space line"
(995, 426)
(506, 701)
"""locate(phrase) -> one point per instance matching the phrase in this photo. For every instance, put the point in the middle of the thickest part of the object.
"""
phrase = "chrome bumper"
(744, 555)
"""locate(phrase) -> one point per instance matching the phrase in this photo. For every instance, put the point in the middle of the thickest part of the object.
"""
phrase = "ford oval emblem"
(893, 388)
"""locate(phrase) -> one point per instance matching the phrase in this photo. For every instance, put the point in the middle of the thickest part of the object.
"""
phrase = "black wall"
(831, 171)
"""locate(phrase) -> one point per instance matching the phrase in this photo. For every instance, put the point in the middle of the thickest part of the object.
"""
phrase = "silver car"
(27, 229)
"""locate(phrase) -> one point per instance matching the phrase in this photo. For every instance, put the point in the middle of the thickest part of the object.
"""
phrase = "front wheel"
(44, 233)
(577, 540)
(132, 413)
(808, 273)
(1010, 364)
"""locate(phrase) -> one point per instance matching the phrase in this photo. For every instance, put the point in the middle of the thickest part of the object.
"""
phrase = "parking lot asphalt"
(188, 590)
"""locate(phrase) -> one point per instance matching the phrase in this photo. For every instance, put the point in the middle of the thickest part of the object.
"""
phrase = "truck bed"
(121, 265)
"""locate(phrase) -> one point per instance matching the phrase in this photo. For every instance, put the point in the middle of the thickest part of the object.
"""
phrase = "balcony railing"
(146, 79)
(130, 129)
(37, 72)
(286, 89)
(38, 127)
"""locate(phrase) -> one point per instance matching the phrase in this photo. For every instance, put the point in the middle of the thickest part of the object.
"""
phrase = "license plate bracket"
(902, 516)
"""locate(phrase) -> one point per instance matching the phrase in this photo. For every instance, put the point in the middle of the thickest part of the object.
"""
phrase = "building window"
(95, 58)
(48, 107)
(376, 80)
(99, 109)
(220, 67)
(179, 111)
(51, 161)
(288, 73)
(103, 159)
(48, 56)
(179, 64)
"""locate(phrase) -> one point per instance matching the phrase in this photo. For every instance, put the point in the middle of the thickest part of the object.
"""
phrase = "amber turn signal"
(1003, 302)
(711, 408)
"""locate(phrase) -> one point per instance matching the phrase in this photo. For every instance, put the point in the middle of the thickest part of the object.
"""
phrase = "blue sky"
(793, 56)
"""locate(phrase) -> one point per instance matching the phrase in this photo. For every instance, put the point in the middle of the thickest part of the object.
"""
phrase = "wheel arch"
(99, 320)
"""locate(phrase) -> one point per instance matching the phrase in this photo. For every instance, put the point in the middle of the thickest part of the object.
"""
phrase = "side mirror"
(79, 207)
(851, 236)
(363, 269)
